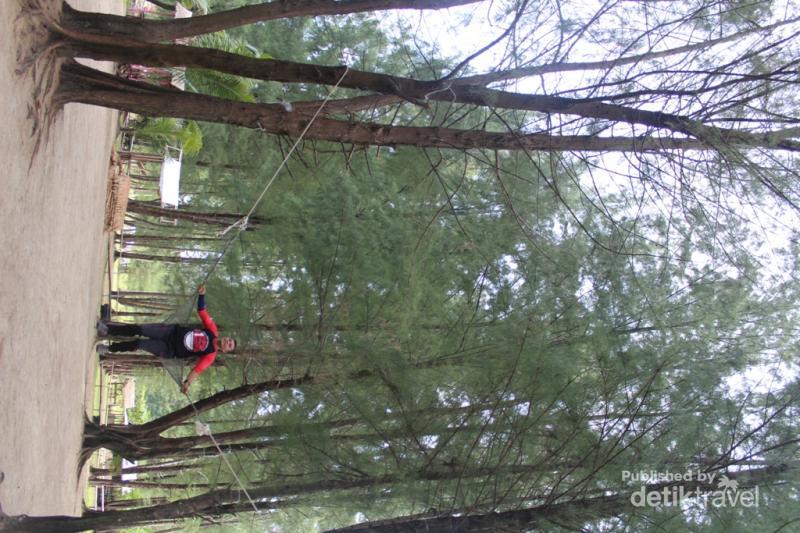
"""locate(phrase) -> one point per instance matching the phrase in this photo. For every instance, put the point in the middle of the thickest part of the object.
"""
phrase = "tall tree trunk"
(149, 469)
(145, 303)
(162, 258)
(420, 91)
(169, 30)
(215, 503)
(226, 166)
(135, 313)
(217, 219)
(82, 84)
(150, 485)
(147, 239)
(157, 294)
(573, 514)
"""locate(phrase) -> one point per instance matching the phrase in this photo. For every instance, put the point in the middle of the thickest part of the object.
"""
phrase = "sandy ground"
(52, 250)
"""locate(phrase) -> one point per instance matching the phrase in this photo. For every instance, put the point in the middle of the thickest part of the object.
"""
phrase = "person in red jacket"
(172, 340)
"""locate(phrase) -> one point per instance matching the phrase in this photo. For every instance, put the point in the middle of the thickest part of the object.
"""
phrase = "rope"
(242, 223)
(207, 432)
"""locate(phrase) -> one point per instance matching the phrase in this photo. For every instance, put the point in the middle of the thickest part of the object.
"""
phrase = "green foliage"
(171, 132)
(487, 331)
(217, 83)
(191, 138)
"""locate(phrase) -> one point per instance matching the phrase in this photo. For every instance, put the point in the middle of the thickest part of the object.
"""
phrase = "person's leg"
(155, 347)
(124, 346)
(159, 332)
(123, 330)
(152, 331)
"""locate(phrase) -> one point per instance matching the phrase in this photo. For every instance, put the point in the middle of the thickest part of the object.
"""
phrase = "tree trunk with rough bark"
(81, 84)
(162, 258)
(574, 514)
(216, 219)
(420, 91)
(169, 30)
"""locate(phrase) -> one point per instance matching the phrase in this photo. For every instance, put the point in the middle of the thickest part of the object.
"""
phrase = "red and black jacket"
(197, 342)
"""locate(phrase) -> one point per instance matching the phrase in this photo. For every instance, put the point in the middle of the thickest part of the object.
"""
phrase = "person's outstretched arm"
(188, 381)
(205, 318)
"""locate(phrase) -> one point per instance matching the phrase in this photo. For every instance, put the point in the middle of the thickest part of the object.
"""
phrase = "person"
(172, 340)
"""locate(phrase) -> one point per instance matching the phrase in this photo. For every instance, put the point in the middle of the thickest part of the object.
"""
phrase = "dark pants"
(156, 339)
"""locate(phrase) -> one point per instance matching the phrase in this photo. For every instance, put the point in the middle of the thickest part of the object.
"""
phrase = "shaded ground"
(52, 250)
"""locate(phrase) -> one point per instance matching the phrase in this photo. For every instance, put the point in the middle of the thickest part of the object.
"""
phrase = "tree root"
(83, 458)
(37, 33)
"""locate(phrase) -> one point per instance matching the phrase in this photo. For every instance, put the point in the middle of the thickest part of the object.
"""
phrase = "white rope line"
(242, 223)
(207, 432)
(448, 87)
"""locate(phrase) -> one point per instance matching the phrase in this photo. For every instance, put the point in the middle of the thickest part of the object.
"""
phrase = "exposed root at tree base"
(38, 56)
(83, 460)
